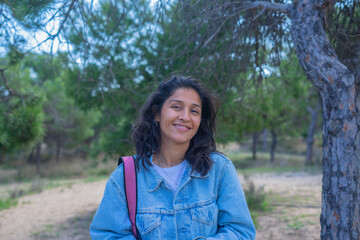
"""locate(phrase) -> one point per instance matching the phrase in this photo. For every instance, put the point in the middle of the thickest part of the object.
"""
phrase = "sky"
(37, 41)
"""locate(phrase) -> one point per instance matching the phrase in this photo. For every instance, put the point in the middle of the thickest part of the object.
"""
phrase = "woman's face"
(180, 117)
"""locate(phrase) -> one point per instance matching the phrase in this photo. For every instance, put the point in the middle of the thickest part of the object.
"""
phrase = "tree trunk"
(254, 144)
(58, 150)
(311, 133)
(265, 136)
(273, 146)
(37, 158)
(340, 214)
(30, 158)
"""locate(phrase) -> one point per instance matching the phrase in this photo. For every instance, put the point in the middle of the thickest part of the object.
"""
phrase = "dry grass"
(24, 180)
(76, 168)
(289, 156)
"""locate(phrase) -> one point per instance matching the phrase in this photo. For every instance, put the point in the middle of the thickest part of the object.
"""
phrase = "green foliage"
(39, 108)
(278, 103)
(122, 49)
(45, 67)
(256, 201)
(343, 31)
(27, 9)
(296, 224)
(115, 81)
(256, 198)
(232, 67)
(21, 124)
(7, 203)
(14, 56)
(21, 118)
(17, 19)
(14, 194)
(65, 122)
(117, 140)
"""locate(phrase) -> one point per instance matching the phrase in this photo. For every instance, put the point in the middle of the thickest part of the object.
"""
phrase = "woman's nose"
(185, 115)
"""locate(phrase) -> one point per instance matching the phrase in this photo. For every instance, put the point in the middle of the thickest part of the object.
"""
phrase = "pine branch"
(11, 92)
(278, 7)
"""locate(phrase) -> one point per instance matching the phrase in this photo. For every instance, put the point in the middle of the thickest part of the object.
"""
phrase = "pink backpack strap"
(130, 190)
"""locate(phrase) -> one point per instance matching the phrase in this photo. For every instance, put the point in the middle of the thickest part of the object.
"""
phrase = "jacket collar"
(194, 173)
(153, 179)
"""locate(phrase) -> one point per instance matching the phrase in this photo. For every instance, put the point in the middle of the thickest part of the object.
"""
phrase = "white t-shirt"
(172, 175)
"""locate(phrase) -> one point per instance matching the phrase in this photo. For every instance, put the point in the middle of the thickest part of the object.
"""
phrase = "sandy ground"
(296, 198)
(49, 212)
(66, 212)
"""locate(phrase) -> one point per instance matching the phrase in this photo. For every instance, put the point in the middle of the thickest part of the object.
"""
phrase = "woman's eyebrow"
(179, 101)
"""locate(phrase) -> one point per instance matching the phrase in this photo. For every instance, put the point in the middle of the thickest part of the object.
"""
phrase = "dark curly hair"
(146, 135)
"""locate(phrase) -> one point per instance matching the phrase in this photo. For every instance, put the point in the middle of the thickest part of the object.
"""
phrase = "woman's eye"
(176, 107)
(195, 111)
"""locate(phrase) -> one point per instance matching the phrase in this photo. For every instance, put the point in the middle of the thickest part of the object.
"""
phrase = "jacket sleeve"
(234, 219)
(111, 220)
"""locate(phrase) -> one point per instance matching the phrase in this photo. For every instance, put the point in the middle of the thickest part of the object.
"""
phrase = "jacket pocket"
(148, 225)
(204, 220)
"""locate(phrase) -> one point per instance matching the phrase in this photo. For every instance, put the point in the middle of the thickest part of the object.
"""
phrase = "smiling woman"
(179, 120)
(185, 188)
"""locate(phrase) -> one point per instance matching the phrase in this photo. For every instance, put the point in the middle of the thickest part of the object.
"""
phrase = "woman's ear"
(157, 117)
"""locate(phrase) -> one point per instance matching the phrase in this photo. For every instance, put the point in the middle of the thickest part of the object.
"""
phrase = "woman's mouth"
(181, 127)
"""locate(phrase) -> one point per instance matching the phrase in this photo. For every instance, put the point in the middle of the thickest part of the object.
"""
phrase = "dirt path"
(296, 198)
(50, 211)
(66, 212)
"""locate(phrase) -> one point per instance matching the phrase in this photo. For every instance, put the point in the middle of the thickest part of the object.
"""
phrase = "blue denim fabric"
(203, 207)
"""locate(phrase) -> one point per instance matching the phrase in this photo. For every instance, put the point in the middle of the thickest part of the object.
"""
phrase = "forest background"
(74, 75)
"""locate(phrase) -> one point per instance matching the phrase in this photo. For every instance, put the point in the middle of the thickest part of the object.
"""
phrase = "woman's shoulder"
(219, 158)
(118, 173)
(220, 161)
(117, 176)
(221, 165)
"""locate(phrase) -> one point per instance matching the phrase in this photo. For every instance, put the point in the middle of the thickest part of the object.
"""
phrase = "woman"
(186, 190)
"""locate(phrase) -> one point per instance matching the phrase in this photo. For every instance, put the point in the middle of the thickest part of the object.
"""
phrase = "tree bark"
(340, 214)
(311, 133)
(254, 144)
(37, 158)
(265, 136)
(273, 146)
(339, 90)
(58, 150)
(30, 158)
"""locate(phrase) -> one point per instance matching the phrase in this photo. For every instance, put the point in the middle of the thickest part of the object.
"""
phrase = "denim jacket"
(204, 207)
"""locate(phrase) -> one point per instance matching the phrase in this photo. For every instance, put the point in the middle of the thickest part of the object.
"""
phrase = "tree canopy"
(118, 51)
